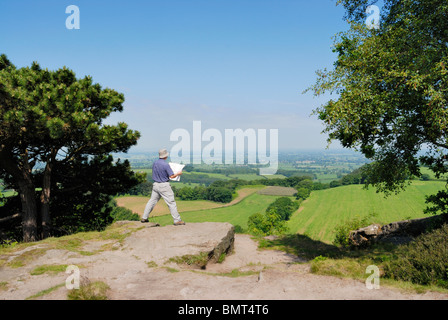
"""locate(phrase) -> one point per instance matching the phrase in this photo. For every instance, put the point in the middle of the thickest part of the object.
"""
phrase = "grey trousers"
(162, 190)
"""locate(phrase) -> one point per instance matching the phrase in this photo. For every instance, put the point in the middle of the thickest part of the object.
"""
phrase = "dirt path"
(248, 273)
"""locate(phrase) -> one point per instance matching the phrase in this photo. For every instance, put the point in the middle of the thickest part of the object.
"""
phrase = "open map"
(176, 167)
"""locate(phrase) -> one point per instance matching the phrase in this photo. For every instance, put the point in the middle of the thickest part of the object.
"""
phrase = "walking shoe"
(179, 223)
(144, 220)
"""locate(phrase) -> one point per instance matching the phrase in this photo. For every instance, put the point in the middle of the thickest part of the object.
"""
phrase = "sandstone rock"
(162, 243)
(412, 227)
(399, 232)
(271, 237)
(364, 235)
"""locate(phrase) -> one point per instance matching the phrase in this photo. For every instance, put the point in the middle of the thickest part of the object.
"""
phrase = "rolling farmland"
(137, 203)
(325, 209)
(235, 214)
(317, 217)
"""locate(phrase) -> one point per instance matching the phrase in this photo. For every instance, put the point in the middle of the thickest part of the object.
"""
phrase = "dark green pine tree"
(53, 119)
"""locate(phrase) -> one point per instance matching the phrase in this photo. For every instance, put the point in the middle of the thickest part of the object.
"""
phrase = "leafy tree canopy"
(391, 87)
(53, 119)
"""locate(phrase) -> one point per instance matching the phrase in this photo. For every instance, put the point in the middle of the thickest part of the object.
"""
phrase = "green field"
(326, 177)
(317, 217)
(137, 203)
(325, 209)
(220, 176)
(247, 176)
(236, 214)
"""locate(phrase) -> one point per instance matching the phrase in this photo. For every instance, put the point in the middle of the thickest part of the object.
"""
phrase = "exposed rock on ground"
(161, 244)
(142, 266)
(399, 232)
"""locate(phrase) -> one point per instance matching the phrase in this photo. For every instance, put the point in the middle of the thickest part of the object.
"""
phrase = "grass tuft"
(89, 291)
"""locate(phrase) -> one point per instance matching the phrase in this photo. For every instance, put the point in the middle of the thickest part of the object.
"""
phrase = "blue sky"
(227, 63)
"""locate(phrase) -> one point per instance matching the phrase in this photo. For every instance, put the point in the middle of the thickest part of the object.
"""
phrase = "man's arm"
(176, 175)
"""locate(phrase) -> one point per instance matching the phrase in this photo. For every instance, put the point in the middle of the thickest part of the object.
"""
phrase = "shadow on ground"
(307, 248)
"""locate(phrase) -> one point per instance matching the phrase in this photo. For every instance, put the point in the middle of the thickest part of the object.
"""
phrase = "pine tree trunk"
(45, 207)
(29, 212)
(22, 174)
(45, 198)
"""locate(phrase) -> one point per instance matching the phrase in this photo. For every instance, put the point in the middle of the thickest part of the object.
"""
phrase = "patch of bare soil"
(278, 191)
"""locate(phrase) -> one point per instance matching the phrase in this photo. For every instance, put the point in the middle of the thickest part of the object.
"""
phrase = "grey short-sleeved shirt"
(161, 171)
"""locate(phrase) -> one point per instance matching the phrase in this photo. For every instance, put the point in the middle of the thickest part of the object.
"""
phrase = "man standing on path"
(161, 174)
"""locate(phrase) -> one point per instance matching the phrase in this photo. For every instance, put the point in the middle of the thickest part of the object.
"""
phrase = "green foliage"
(273, 221)
(284, 207)
(142, 189)
(391, 86)
(327, 209)
(304, 188)
(357, 176)
(423, 261)
(266, 224)
(226, 170)
(55, 119)
(239, 229)
(319, 258)
(8, 244)
(51, 269)
(342, 231)
(199, 178)
(438, 203)
(215, 191)
(200, 260)
(303, 193)
(335, 183)
(88, 290)
(188, 193)
(237, 214)
(219, 194)
(120, 214)
(293, 181)
(83, 200)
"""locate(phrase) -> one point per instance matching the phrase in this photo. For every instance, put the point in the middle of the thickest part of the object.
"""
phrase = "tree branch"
(17, 215)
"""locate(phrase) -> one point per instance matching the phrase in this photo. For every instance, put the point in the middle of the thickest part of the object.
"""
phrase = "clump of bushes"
(342, 231)
(273, 221)
(214, 193)
(284, 207)
(120, 214)
(266, 224)
(423, 261)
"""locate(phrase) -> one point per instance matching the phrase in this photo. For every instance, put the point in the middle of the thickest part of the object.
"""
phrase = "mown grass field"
(325, 209)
